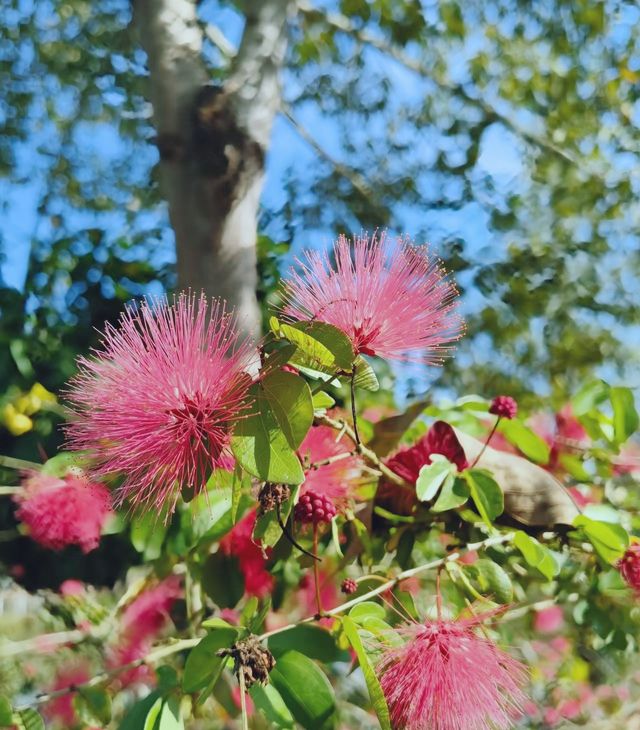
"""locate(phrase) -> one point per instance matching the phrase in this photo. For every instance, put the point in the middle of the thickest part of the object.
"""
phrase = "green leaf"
(625, 416)
(305, 690)
(262, 447)
(486, 494)
(291, 403)
(367, 609)
(202, 664)
(93, 705)
(608, 539)
(5, 711)
(528, 442)
(147, 535)
(535, 554)
(28, 719)
(432, 477)
(321, 346)
(454, 493)
(151, 720)
(318, 643)
(267, 529)
(171, 717)
(136, 716)
(269, 701)
(373, 685)
(494, 580)
(588, 397)
(365, 377)
(322, 401)
(222, 579)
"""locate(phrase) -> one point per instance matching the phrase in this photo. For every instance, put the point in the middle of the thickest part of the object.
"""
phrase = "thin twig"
(316, 572)
(354, 413)
(486, 443)
(12, 463)
(365, 452)
(243, 700)
(9, 490)
(290, 537)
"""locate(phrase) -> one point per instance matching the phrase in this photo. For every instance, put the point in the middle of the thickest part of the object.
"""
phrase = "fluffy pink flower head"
(334, 480)
(407, 462)
(61, 512)
(239, 543)
(629, 566)
(392, 300)
(158, 401)
(446, 677)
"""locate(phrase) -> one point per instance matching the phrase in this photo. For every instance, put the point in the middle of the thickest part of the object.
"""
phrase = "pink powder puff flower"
(60, 710)
(548, 620)
(157, 403)
(239, 543)
(446, 677)
(407, 462)
(629, 566)
(62, 512)
(140, 624)
(392, 300)
(334, 480)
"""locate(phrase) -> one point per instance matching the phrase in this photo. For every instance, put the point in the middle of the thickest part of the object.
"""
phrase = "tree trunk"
(212, 142)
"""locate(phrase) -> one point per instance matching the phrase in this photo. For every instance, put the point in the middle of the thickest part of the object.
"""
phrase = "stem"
(354, 414)
(243, 700)
(486, 443)
(438, 594)
(159, 653)
(316, 571)
(332, 459)
(290, 537)
(393, 582)
(183, 644)
(9, 490)
(365, 452)
(12, 463)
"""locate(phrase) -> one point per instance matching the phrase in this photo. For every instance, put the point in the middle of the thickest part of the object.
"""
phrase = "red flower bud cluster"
(348, 586)
(314, 508)
(504, 406)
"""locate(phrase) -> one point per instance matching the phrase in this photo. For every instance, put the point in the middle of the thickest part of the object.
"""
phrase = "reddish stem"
(486, 443)
(316, 571)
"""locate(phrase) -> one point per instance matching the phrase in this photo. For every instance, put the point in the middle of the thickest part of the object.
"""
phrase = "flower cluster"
(63, 512)
(446, 677)
(157, 403)
(392, 299)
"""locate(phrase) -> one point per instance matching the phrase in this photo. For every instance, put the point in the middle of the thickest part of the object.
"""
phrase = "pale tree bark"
(212, 142)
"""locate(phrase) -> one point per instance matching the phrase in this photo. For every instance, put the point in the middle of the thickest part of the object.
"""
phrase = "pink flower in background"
(407, 462)
(629, 566)
(140, 624)
(157, 403)
(239, 542)
(334, 480)
(548, 620)
(71, 587)
(445, 677)
(392, 300)
(62, 512)
(61, 711)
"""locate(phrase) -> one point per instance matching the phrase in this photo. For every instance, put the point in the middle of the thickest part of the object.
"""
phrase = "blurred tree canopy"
(504, 132)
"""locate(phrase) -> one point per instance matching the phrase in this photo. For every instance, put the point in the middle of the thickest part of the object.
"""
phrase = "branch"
(183, 644)
(253, 82)
(10, 463)
(160, 653)
(393, 582)
(364, 451)
(343, 23)
(172, 40)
